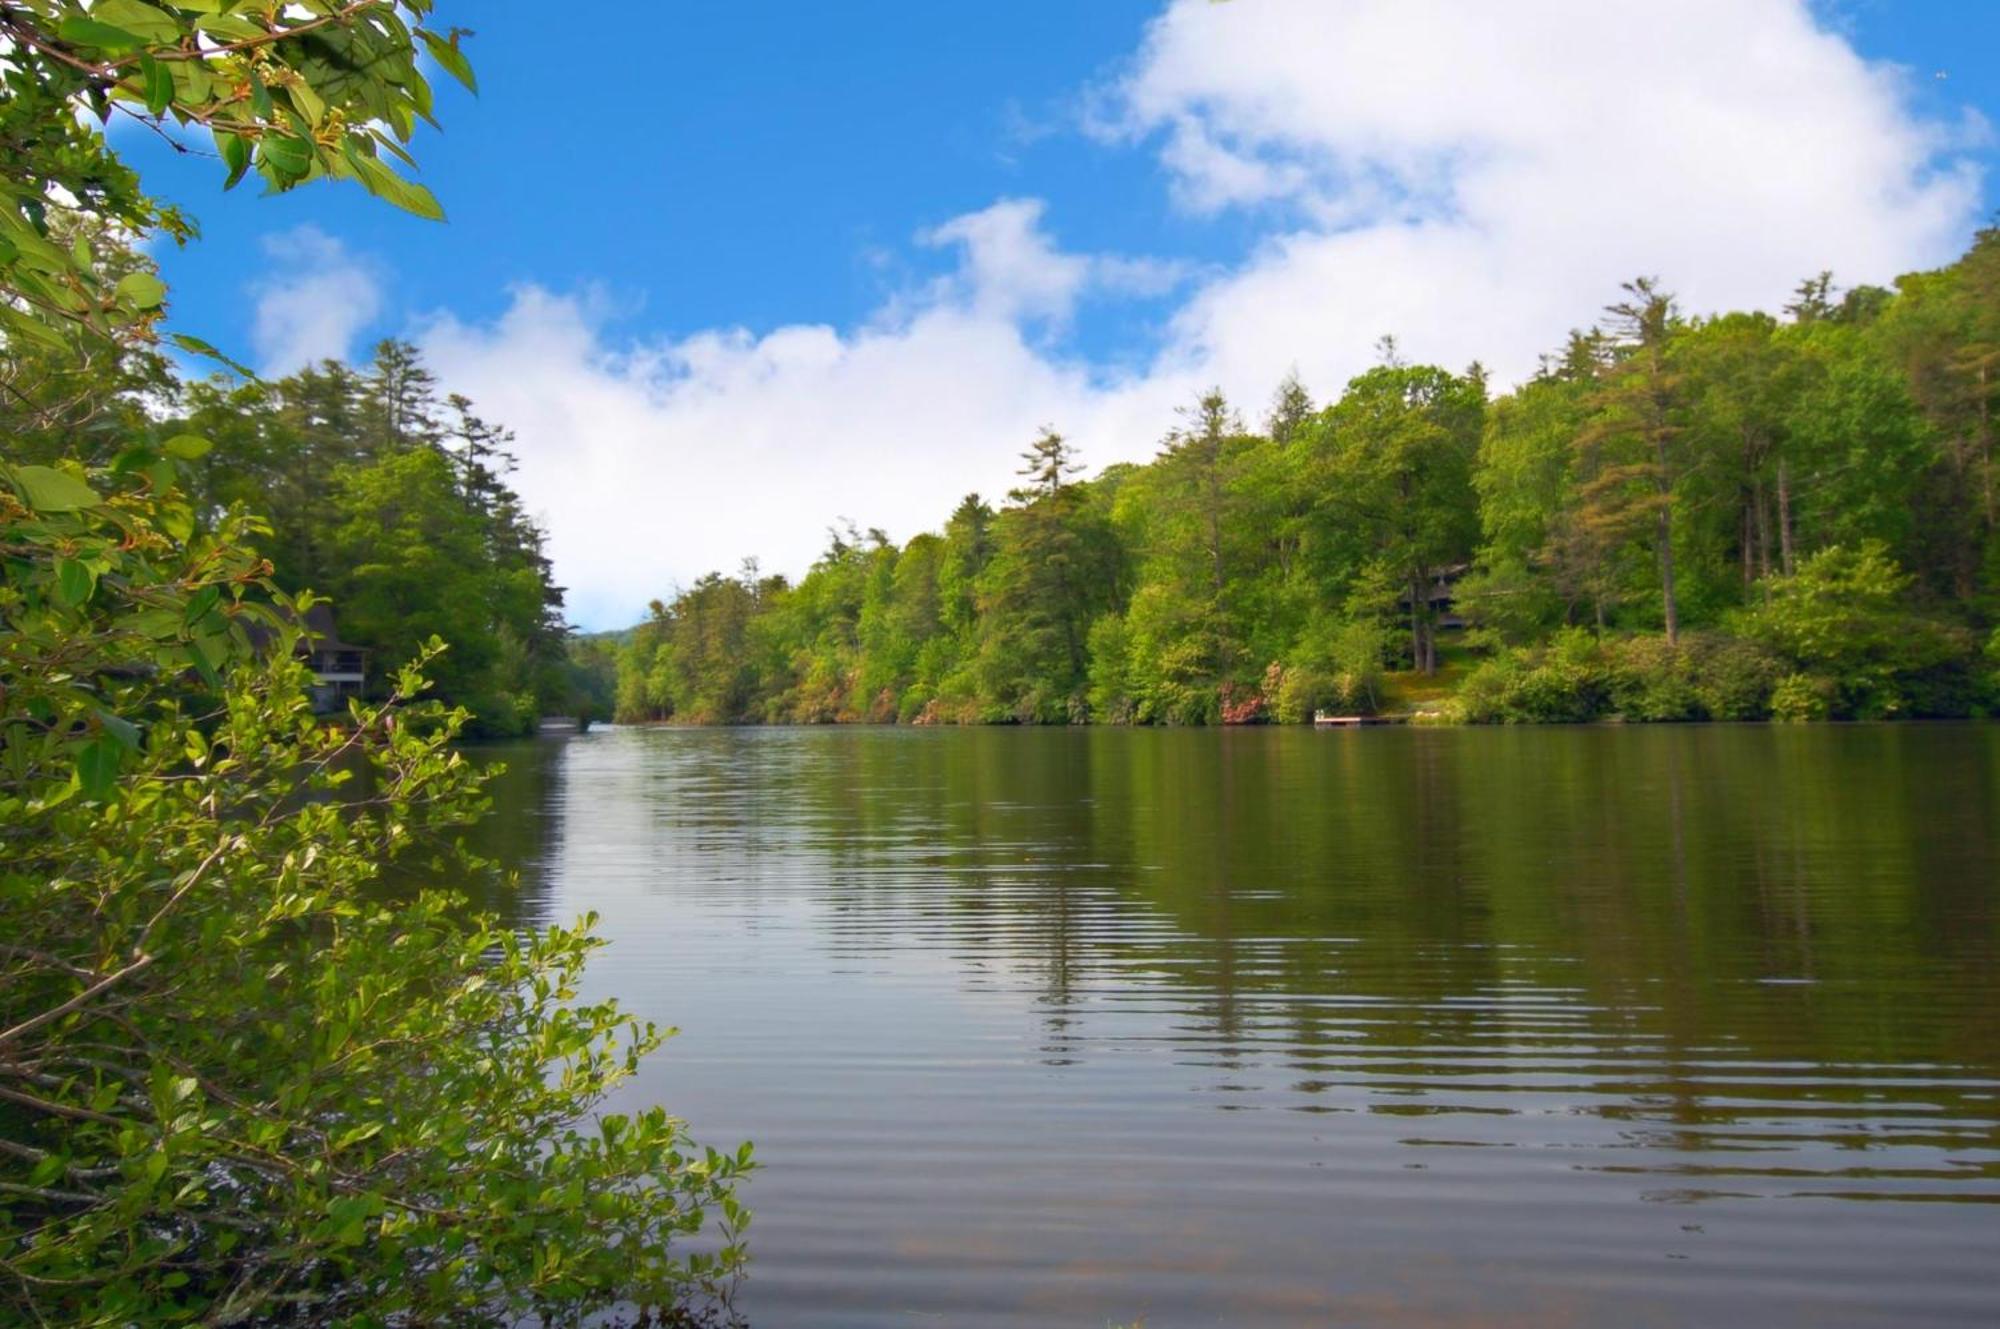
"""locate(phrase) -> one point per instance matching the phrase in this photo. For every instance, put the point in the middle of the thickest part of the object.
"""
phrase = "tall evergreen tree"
(1633, 461)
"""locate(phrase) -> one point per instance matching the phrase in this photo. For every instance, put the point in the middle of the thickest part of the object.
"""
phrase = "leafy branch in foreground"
(243, 1076)
(296, 92)
(236, 1083)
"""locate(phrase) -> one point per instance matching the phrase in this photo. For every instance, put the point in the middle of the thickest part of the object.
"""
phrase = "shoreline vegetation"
(1738, 517)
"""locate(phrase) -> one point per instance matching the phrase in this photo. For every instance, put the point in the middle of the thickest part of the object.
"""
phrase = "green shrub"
(1802, 697)
(240, 1085)
(1568, 681)
(1337, 667)
(1301, 691)
(1734, 679)
(1655, 682)
(1557, 692)
(1482, 697)
(1844, 618)
(1576, 678)
(1706, 677)
(1111, 671)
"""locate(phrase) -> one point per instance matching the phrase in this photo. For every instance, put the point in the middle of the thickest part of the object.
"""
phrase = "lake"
(1432, 1027)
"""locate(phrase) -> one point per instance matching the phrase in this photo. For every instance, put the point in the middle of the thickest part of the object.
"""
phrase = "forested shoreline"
(371, 487)
(1745, 516)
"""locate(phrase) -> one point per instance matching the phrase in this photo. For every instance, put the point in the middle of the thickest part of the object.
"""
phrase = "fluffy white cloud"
(320, 298)
(653, 464)
(1474, 178)
(1012, 269)
(1477, 178)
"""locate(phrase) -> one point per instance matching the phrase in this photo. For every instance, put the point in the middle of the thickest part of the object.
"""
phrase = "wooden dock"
(1323, 720)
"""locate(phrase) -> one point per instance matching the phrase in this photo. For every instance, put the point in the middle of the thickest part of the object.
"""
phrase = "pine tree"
(1630, 450)
(1291, 406)
(399, 399)
(1047, 466)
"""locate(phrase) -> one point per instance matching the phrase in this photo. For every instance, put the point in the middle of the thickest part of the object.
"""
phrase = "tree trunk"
(1667, 575)
(1417, 624)
(1785, 516)
(1215, 515)
(1763, 533)
(1986, 445)
(1663, 483)
(1743, 538)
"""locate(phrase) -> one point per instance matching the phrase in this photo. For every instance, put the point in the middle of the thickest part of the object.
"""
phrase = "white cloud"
(1476, 178)
(1471, 177)
(653, 464)
(1011, 269)
(321, 297)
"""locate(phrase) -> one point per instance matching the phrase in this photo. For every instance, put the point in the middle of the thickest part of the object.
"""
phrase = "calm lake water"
(1667, 1026)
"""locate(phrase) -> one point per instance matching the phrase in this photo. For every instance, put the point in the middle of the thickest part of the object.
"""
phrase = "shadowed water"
(1433, 1027)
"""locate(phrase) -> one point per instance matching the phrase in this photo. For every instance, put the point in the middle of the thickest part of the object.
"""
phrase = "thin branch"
(58, 1109)
(80, 1000)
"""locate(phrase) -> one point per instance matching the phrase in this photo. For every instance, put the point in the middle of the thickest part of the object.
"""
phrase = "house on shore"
(338, 668)
(1441, 597)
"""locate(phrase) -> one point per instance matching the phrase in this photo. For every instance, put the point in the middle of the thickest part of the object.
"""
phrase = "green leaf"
(235, 150)
(260, 98)
(385, 184)
(27, 325)
(177, 519)
(48, 490)
(204, 657)
(142, 290)
(120, 728)
(226, 27)
(289, 157)
(74, 581)
(97, 766)
(91, 32)
(192, 83)
(187, 447)
(447, 54)
(200, 603)
(151, 22)
(196, 346)
(159, 84)
(307, 101)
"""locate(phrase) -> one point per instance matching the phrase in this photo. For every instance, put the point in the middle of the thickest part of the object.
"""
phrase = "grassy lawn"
(1406, 690)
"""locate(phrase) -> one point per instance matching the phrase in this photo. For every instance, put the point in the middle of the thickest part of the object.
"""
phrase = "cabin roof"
(323, 633)
(320, 632)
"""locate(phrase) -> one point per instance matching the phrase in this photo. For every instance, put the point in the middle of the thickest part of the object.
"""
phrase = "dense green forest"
(375, 490)
(1743, 516)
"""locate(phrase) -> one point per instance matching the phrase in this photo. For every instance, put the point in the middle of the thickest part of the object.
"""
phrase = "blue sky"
(774, 264)
(769, 168)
